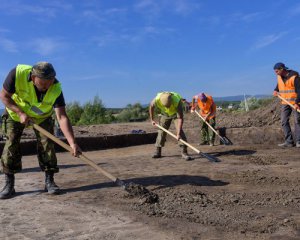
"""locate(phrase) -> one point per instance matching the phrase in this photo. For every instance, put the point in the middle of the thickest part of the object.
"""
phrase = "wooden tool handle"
(207, 123)
(174, 136)
(287, 102)
(68, 148)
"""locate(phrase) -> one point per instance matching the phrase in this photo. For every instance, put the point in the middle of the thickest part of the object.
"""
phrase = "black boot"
(50, 185)
(157, 153)
(8, 191)
(184, 154)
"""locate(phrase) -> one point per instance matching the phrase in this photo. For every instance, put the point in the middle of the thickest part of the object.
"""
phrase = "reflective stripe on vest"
(205, 108)
(287, 89)
(172, 110)
(26, 99)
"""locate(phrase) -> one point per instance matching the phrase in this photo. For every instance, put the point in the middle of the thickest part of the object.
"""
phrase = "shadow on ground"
(233, 152)
(161, 181)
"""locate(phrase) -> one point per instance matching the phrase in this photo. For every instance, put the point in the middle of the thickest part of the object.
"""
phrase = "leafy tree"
(74, 111)
(93, 113)
(134, 112)
(254, 103)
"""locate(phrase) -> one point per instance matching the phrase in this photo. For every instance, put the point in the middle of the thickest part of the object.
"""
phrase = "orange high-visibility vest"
(208, 106)
(287, 89)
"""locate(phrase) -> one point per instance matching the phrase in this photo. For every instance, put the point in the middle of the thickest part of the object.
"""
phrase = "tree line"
(94, 112)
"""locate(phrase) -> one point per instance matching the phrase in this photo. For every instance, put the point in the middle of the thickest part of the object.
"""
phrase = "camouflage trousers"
(208, 135)
(11, 155)
(165, 122)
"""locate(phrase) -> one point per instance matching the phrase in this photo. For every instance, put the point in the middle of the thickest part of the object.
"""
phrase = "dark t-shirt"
(9, 86)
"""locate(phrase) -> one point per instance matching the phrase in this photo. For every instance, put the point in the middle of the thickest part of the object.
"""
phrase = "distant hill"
(239, 97)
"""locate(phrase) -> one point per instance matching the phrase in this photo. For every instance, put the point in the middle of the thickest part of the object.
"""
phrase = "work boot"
(8, 191)
(50, 185)
(286, 144)
(157, 153)
(184, 154)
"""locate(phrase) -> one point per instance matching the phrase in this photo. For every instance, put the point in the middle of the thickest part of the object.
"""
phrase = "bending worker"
(169, 105)
(208, 112)
(29, 95)
(288, 87)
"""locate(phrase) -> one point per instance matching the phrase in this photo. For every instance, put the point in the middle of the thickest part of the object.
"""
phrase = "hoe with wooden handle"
(225, 140)
(207, 156)
(287, 102)
(81, 155)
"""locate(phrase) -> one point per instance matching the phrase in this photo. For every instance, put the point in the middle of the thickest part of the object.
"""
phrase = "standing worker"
(208, 112)
(169, 104)
(29, 95)
(288, 87)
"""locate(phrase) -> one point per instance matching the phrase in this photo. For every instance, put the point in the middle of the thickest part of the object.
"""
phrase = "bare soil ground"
(253, 193)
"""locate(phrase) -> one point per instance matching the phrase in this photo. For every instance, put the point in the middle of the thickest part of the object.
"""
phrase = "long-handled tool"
(82, 156)
(225, 140)
(133, 189)
(287, 102)
(207, 156)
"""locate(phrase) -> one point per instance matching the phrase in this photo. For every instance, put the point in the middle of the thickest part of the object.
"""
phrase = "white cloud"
(267, 40)
(255, 16)
(46, 46)
(184, 7)
(8, 45)
(131, 35)
(295, 10)
(156, 8)
(44, 9)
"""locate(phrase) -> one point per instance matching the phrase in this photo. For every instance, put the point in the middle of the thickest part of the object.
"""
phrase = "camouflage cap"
(43, 70)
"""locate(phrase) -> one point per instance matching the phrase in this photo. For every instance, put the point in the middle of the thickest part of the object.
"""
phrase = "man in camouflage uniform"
(169, 104)
(30, 94)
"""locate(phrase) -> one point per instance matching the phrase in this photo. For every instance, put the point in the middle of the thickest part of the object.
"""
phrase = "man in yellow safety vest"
(32, 94)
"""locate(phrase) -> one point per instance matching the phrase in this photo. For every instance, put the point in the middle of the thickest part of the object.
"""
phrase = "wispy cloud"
(98, 16)
(46, 46)
(131, 35)
(234, 19)
(267, 40)
(4, 30)
(45, 9)
(8, 45)
(294, 10)
(251, 17)
(156, 8)
(184, 7)
(238, 18)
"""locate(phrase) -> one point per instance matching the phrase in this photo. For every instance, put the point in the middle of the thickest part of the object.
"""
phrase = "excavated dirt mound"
(137, 190)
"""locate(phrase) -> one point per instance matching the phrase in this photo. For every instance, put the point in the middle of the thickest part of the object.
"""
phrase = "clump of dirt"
(146, 196)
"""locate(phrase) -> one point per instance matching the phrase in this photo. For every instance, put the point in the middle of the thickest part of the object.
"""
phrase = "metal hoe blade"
(210, 157)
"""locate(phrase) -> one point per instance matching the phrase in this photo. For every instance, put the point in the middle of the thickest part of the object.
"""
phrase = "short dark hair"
(43, 70)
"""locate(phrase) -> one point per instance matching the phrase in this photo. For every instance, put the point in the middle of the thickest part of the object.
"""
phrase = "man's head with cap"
(166, 99)
(280, 68)
(202, 97)
(43, 75)
(43, 70)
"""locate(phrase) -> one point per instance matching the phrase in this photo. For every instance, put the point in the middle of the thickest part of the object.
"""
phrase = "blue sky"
(127, 51)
